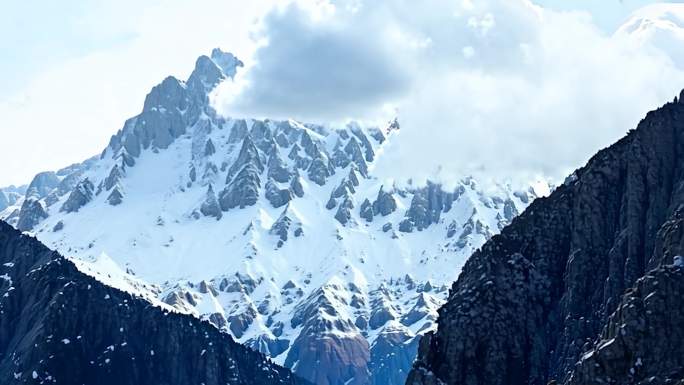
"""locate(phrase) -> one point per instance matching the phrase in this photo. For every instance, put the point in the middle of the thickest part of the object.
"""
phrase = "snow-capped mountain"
(275, 231)
(659, 26)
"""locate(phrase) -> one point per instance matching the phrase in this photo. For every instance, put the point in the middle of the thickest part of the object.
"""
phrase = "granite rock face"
(533, 300)
(59, 325)
(42, 184)
(81, 194)
(32, 212)
(642, 342)
(210, 207)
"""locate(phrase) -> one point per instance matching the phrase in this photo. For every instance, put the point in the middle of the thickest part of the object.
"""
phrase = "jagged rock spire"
(210, 207)
(209, 148)
(114, 177)
(249, 155)
(79, 196)
(115, 197)
(296, 185)
(243, 189)
(343, 214)
(384, 204)
(276, 195)
(238, 132)
(277, 169)
(31, 213)
(281, 227)
(353, 150)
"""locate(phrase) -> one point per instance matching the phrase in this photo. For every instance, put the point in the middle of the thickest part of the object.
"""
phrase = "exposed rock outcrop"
(642, 342)
(210, 206)
(79, 196)
(59, 325)
(42, 184)
(531, 302)
(32, 212)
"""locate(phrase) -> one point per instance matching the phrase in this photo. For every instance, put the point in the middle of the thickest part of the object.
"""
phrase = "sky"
(491, 73)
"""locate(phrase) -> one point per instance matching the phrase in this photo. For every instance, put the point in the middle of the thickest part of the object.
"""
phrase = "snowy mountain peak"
(277, 232)
(226, 61)
(659, 26)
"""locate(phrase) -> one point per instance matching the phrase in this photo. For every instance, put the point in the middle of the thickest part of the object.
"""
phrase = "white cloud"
(68, 111)
(499, 85)
(533, 92)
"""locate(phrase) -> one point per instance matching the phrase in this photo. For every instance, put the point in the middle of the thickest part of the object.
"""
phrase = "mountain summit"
(276, 232)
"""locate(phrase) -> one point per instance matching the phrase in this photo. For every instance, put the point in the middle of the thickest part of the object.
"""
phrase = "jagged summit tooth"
(210, 206)
(366, 210)
(277, 196)
(32, 212)
(209, 148)
(249, 154)
(344, 211)
(238, 131)
(114, 177)
(318, 170)
(262, 136)
(79, 196)
(226, 61)
(365, 143)
(210, 71)
(115, 197)
(385, 203)
(277, 169)
(353, 150)
(288, 220)
(296, 185)
(168, 94)
(205, 77)
(42, 184)
(243, 189)
(308, 144)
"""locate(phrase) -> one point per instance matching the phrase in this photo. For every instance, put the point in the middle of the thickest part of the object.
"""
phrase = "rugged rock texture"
(81, 194)
(58, 325)
(115, 197)
(533, 299)
(153, 188)
(642, 342)
(32, 212)
(210, 206)
(42, 184)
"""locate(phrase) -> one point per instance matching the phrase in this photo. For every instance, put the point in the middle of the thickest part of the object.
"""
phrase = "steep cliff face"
(534, 298)
(58, 325)
(642, 341)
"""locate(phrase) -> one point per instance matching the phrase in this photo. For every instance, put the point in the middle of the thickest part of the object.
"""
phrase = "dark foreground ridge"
(545, 300)
(60, 326)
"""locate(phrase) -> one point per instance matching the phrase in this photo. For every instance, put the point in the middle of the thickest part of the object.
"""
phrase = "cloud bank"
(501, 87)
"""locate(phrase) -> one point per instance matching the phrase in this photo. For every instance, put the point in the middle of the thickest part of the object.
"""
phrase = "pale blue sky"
(608, 14)
(36, 34)
(74, 71)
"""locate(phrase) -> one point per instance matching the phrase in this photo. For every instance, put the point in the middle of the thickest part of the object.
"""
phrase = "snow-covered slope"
(659, 26)
(275, 231)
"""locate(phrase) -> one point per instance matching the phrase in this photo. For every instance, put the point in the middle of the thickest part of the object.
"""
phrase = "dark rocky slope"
(533, 299)
(642, 341)
(58, 325)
